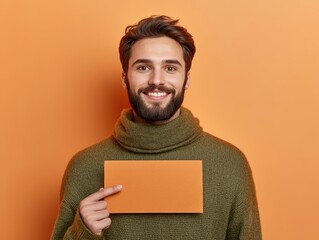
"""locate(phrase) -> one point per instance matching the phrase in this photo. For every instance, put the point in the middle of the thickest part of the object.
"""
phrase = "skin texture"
(158, 62)
(93, 210)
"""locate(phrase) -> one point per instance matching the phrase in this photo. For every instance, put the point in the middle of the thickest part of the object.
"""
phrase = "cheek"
(176, 82)
(138, 79)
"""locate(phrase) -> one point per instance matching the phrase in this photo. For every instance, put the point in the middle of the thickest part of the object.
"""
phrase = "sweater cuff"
(83, 231)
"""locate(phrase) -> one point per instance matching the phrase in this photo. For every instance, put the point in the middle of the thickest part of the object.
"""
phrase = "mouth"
(156, 94)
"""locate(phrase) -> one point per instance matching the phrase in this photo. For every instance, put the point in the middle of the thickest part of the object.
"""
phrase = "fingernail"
(101, 189)
(119, 187)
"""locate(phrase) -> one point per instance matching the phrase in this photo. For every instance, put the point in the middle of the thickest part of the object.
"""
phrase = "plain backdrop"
(254, 83)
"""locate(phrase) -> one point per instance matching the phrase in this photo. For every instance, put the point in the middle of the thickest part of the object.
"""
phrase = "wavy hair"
(157, 26)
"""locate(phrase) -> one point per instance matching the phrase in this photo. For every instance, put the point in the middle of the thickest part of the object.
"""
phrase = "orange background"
(254, 82)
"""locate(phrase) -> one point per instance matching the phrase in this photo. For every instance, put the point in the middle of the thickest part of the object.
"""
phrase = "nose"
(157, 78)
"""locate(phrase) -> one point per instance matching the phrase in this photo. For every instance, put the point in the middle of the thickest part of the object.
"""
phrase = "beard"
(155, 112)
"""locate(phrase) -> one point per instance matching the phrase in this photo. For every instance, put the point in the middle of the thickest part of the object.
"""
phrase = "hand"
(93, 209)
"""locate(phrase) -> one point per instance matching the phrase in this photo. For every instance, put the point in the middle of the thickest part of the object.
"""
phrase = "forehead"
(157, 49)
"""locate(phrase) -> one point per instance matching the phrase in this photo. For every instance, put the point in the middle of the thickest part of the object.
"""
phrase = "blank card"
(155, 186)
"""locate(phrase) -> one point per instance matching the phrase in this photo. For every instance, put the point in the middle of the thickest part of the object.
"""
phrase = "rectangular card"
(155, 186)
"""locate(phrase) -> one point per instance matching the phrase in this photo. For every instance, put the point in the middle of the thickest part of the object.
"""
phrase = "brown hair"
(156, 26)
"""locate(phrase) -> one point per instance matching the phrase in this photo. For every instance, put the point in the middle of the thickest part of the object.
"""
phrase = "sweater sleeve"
(244, 222)
(69, 224)
(70, 227)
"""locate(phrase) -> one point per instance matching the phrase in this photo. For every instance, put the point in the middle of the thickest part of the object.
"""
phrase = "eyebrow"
(170, 61)
(173, 61)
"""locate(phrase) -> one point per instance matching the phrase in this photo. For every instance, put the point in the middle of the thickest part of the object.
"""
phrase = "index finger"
(103, 192)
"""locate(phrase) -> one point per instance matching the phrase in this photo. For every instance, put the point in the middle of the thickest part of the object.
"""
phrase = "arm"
(69, 225)
(244, 222)
(82, 177)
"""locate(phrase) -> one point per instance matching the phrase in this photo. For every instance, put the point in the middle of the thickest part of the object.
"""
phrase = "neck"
(138, 119)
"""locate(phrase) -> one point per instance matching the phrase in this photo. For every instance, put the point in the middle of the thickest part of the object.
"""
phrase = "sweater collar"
(150, 138)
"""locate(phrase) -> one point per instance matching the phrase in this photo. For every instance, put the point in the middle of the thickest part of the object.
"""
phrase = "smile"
(156, 94)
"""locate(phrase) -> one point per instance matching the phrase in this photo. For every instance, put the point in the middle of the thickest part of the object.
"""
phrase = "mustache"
(153, 87)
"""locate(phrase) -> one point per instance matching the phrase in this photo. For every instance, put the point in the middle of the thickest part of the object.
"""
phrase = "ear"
(124, 82)
(187, 81)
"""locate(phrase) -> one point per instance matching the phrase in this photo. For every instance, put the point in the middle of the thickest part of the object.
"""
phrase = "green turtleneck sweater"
(230, 206)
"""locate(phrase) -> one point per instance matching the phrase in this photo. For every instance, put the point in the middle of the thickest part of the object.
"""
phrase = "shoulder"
(229, 163)
(221, 147)
(90, 160)
(225, 155)
(85, 169)
(93, 153)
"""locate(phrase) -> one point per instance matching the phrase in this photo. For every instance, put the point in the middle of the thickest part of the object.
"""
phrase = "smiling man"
(156, 56)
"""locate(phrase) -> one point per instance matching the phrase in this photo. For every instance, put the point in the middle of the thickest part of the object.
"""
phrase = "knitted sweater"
(230, 206)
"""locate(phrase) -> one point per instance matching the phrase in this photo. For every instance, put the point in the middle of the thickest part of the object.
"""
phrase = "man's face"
(156, 79)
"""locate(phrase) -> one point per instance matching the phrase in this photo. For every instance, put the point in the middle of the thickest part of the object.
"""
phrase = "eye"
(143, 68)
(171, 69)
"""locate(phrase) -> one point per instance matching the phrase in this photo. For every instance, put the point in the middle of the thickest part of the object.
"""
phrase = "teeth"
(157, 94)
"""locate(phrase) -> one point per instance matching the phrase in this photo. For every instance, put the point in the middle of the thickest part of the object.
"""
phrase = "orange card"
(155, 186)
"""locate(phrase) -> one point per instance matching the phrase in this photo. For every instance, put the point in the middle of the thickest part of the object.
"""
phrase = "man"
(156, 56)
